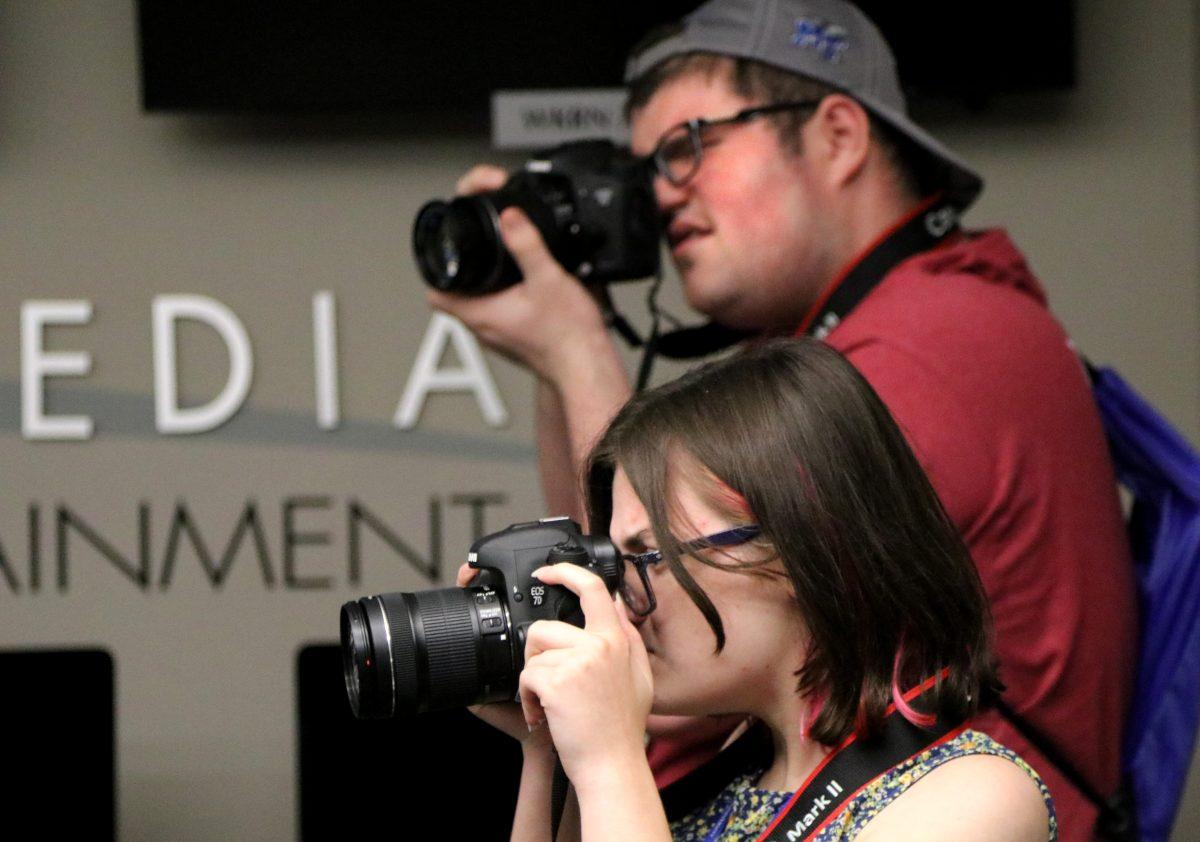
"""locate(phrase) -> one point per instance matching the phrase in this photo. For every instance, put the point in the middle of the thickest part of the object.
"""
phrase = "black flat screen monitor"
(59, 743)
(445, 773)
(448, 56)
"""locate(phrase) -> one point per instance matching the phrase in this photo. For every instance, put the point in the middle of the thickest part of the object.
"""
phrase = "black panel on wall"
(58, 748)
(448, 56)
(376, 779)
(312, 55)
(971, 51)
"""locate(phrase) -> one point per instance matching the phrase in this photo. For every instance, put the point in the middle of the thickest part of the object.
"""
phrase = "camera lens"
(458, 246)
(406, 653)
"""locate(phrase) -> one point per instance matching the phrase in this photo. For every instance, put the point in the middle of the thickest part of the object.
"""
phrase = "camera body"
(592, 202)
(405, 653)
(506, 561)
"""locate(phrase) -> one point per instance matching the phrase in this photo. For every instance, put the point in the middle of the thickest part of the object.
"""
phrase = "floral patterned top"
(750, 810)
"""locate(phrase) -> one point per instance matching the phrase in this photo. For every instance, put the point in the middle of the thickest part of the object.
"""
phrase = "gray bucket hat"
(827, 40)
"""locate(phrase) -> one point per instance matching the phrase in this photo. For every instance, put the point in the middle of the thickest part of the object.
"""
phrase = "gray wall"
(1100, 185)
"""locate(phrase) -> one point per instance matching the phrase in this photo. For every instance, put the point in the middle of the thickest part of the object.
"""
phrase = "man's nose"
(669, 197)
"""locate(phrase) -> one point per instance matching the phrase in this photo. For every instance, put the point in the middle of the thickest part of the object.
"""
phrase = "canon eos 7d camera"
(591, 200)
(406, 653)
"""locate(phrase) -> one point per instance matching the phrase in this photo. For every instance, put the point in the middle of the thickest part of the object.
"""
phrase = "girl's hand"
(507, 717)
(592, 685)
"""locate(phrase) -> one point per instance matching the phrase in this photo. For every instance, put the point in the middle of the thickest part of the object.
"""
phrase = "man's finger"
(528, 248)
(479, 179)
(462, 307)
(471, 310)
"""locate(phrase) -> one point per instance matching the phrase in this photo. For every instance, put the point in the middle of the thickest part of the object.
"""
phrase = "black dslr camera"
(406, 653)
(591, 200)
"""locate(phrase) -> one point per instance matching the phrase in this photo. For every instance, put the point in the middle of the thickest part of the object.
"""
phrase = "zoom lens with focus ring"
(407, 653)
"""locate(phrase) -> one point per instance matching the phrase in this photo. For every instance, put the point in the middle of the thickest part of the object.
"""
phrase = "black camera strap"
(849, 769)
(855, 763)
(839, 777)
(613, 319)
(927, 225)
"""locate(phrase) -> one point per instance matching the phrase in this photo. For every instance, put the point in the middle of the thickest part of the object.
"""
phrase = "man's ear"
(839, 137)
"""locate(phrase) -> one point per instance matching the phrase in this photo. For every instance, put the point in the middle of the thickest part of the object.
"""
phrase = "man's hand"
(547, 322)
(550, 324)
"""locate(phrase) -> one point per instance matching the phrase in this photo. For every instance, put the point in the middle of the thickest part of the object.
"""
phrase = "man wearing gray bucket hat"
(799, 198)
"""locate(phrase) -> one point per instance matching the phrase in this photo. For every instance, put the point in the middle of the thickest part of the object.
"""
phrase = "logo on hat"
(829, 40)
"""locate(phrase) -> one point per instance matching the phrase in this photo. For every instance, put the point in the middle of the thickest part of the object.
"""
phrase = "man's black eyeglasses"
(638, 594)
(679, 151)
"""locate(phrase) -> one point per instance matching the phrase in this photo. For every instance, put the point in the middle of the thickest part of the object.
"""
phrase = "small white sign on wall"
(543, 118)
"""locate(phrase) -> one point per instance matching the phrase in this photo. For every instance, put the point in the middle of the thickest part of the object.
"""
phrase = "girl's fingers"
(563, 662)
(599, 612)
(466, 574)
(547, 635)
(531, 703)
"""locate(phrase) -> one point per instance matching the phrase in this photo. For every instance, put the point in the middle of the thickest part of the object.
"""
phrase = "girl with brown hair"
(788, 562)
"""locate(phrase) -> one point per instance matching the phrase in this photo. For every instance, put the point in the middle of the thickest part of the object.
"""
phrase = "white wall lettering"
(37, 364)
(324, 316)
(169, 417)
(473, 376)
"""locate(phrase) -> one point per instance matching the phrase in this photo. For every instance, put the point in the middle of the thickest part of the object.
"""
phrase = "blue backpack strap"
(1162, 471)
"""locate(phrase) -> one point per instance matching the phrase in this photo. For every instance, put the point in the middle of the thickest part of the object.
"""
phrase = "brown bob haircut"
(880, 576)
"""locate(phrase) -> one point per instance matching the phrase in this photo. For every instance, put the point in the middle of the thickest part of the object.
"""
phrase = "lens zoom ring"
(451, 643)
(404, 657)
